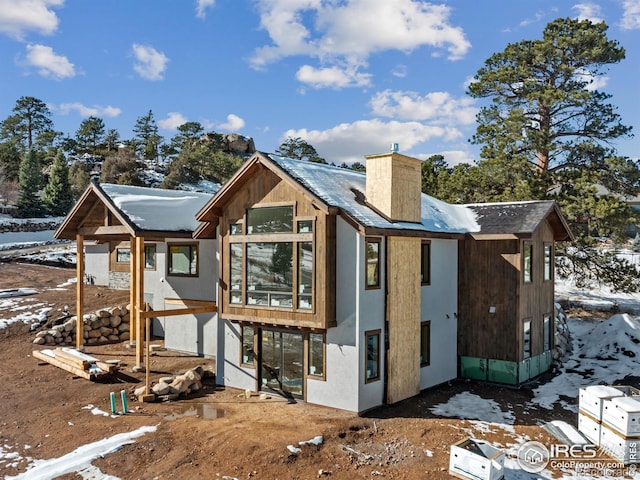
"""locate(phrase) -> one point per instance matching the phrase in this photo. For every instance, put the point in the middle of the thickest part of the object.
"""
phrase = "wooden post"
(79, 291)
(139, 261)
(147, 361)
(133, 284)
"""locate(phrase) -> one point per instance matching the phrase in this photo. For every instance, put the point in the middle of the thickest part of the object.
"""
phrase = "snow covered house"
(343, 289)
(140, 239)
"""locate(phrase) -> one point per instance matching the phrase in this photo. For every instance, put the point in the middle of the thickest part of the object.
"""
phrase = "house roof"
(520, 219)
(136, 211)
(343, 190)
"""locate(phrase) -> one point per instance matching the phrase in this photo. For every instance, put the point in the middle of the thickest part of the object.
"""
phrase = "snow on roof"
(340, 187)
(157, 209)
(510, 217)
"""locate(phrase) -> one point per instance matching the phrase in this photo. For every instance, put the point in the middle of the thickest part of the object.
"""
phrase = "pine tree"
(29, 181)
(57, 195)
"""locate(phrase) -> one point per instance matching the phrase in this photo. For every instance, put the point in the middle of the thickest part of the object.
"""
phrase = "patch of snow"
(17, 292)
(81, 458)
(293, 450)
(317, 440)
(470, 406)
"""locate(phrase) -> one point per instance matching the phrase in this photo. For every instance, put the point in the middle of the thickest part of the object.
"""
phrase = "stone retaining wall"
(104, 326)
(561, 336)
(28, 226)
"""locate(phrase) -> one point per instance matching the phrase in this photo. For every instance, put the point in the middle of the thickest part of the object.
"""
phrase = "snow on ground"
(472, 407)
(79, 460)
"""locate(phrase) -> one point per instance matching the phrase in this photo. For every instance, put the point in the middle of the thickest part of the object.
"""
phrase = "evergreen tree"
(30, 120)
(9, 160)
(90, 135)
(29, 181)
(147, 140)
(79, 178)
(299, 149)
(57, 195)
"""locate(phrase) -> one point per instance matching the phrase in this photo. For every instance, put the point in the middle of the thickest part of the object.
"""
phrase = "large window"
(425, 263)
(527, 339)
(236, 273)
(270, 274)
(372, 359)
(548, 262)
(305, 275)
(425, 343)
(527, 263)
(183, 259)
(373, 262)
(247, 345)
(270, 220)
(316, 354)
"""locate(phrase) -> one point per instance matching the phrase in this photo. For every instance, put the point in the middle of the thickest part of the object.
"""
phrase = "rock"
(192, 376)
(102, 339)
(180, 385)
(94, 333)
(124, 327)
(104, 314)
(114, 312)
(161, 389)
(140, 391)
(166, 380)
(124, 336)
(115, 321)
(39, 341)
(113, 338)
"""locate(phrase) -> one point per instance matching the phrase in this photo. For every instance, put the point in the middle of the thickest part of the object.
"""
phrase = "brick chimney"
(394, 184)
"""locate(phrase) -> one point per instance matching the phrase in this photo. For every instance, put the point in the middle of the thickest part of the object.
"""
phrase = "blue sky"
(349, 76)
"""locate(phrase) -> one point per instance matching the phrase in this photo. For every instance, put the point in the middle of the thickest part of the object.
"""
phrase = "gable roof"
(136, 211)
(519, 219)
(342, 190)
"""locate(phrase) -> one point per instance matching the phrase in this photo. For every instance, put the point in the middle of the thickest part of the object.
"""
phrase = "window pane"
(305, 275)
(425, 343)
(425, 263)
(528, 256)
(527, 339)
(247, 345)
(373, 356)
(270, 274)
(123, 255)
(270, 220)
(183, 259)
(547, 262)
(236, 229)
(150, 257)
(373, 264)
(316, 354)
(236, 273)
(305, 226)
(546, 333)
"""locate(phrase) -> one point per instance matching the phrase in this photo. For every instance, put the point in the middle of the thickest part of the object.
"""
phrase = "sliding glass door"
(282, 364)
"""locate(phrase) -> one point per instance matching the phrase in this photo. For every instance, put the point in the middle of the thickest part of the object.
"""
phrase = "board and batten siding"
(403, 316)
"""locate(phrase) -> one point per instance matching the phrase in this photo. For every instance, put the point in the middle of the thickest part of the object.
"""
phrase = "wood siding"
(491, 276)
(264, 188)
(403, 316)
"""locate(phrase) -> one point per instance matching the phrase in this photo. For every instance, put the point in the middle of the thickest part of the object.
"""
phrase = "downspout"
(386, 322)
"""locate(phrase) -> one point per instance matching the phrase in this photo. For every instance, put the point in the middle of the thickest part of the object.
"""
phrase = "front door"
(282, 362)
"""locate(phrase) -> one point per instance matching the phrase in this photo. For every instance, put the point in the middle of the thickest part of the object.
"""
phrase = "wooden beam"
(178, 311)
(147, 361)
(186, 302)
(105, 230)
(133, 296)
(139, 261)
(79, 291)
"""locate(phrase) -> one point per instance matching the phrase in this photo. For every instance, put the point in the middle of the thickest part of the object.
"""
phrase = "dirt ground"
(217, 434)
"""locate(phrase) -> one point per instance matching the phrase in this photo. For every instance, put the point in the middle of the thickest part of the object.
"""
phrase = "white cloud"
(593, 82)
(48, 63)
(589, 11)
(17, 17)
(333, 37)
(456, 157)
(150, 63)
(399, 71)
(84, 111)
(348, 142)
(173, 121)
(630, 15)
(234, 123)
(528, 21)
(438, 107)
(202, 6)
(332, 77)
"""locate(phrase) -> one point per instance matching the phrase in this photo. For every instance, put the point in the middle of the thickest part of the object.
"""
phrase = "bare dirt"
(217, 433)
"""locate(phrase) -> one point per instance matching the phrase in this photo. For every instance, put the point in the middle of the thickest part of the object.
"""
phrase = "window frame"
(527, 270)
(427, 324)
(315, 376)
(170, 259)
(367, 335)
(251, 364)
(154, 256)
(526, 337)
(427, 280)
(378, 284)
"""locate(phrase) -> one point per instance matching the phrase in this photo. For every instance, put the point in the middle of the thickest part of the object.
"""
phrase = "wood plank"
(187, 302)
(73, 359)
(79, 291)
(177, 311)
(102, 230)
(79, 372)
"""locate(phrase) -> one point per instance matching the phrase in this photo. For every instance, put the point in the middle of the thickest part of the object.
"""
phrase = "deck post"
(139, 266)
(79, 291)
(133, 283)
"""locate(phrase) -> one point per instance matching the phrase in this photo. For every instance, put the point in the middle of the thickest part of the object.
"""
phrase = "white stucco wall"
(228, 369)
(96, 262)
(439, 300)
(185, 333)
